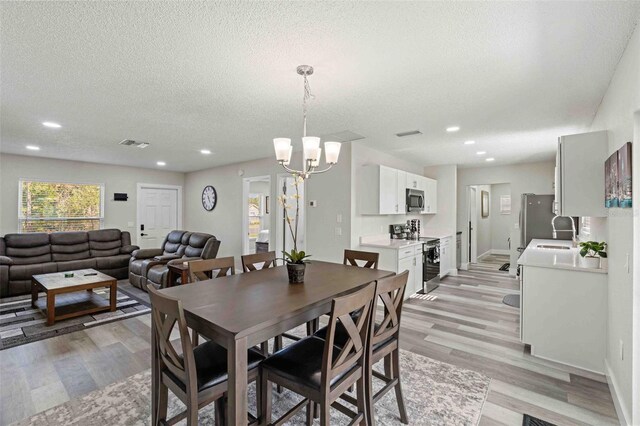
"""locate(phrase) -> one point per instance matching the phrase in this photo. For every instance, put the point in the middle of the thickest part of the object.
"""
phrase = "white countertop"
(554, 258)
(383, 240)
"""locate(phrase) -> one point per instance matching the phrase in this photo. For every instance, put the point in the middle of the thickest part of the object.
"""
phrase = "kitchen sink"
(552, 247)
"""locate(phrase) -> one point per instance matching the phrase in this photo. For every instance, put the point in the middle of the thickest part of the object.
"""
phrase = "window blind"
(58, 206)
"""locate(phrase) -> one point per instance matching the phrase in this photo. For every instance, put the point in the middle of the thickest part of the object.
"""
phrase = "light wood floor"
(463, 322)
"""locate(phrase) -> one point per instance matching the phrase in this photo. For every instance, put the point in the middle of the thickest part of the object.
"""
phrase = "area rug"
(20, 323)
(435, 393)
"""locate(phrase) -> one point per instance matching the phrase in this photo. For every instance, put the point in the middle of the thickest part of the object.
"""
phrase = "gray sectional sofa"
(25, 255)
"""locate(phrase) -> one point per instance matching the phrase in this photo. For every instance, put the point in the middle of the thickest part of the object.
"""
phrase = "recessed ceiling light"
(481, 152)
(469, 142)
(33, 147)
(205, 151)
(161, 163)
(51, 124)
(453, 129)
(490, 159)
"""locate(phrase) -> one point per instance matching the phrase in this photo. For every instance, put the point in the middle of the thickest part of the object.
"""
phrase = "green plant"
(593, 249)
(293, 256)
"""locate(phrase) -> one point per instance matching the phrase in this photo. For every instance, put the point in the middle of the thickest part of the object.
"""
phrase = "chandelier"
(311, 151)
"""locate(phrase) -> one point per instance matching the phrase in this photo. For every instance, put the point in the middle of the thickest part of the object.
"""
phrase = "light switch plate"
(130, 224)
(339, 218)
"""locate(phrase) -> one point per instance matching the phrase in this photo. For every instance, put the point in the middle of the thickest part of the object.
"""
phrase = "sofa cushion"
(158, 274)
(112, 262)
(26, 249)
(197, 241)
(173, 243)
(74, 265)
(67, 246)
(25, 272)
(105, 242)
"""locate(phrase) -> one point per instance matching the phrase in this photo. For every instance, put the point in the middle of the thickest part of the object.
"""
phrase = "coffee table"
(74, 296)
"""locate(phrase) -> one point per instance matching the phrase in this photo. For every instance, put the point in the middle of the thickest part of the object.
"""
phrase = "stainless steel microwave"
(415, 200)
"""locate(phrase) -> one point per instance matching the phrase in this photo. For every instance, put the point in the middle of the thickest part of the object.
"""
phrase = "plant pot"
(296, 272)
(590, 262)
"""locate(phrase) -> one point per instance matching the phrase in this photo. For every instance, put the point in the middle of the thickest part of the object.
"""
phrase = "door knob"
(142, 234)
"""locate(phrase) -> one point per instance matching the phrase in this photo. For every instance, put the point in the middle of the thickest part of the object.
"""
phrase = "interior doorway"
(159, 211)
(489, 221)
(256, 213)
(283, 239)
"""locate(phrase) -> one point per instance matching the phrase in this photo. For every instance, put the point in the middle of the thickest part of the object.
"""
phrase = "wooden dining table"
(243, 310)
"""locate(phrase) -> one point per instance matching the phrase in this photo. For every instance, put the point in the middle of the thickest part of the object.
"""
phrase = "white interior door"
(157, 215)
(473, 225)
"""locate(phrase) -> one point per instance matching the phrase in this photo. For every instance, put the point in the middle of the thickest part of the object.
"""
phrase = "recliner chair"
(149, 266)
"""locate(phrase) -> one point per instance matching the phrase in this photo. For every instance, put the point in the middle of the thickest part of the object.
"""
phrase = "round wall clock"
(209, 198)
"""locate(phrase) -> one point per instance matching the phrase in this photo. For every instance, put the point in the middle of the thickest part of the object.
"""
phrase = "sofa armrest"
(128, 249)
(4, 280)
(4, 260)
(183, 259)
(146, 253)
(166, 257)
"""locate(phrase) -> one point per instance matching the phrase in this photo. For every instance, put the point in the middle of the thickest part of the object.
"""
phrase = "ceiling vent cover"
(409, 133)
(343, 136)
(131, 142)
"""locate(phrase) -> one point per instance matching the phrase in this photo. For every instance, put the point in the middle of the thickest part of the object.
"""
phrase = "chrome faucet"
(555, 232)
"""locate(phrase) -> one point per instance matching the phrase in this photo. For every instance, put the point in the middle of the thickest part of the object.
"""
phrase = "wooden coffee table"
(74, 296)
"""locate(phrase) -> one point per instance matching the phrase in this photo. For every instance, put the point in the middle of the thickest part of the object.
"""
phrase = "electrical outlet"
(339, 218)
(621, 350)
(338, 231)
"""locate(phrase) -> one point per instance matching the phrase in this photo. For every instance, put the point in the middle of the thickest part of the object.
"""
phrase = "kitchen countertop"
(383, 240)
(554, 258)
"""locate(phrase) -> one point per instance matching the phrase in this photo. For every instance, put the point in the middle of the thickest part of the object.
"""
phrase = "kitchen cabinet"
(446, 251)
(410, 259)
(382, 190)
(579, 185)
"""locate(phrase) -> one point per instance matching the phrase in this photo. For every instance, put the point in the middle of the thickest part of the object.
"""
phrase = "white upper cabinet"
(383, 190)
(580, 174)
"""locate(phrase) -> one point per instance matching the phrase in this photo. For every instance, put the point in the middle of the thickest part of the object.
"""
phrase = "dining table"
(244, 310)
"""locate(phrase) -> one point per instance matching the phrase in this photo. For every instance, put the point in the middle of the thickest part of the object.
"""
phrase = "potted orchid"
(591, 252)
(295, 259)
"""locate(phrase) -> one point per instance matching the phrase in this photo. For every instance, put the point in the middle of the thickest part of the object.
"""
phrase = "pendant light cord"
(307, 96)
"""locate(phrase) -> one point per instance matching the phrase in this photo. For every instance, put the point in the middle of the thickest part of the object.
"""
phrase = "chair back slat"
(167, 313)
(391, 292)
(201, 270)
(357, 328)
(367, 259)
(250, 261)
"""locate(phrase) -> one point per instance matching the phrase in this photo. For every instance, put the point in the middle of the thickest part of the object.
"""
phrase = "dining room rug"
(20, 323)
(435, 393)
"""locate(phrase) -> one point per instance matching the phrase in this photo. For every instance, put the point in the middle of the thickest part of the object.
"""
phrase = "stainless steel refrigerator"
(536, 212)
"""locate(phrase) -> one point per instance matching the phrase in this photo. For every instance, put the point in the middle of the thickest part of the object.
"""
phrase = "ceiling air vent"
(343, 136)
(409, 133)
(131, 142)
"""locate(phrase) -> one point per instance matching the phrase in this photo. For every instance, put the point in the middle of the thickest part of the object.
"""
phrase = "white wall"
(117, 214)
(616, 114)
(534, 178)
(331, 190)
(447, 177)
(363, 225)
(500, 223)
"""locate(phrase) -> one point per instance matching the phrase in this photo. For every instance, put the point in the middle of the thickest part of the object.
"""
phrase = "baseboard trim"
(486, 253)
(513, 271)
(624, 416)
(501, 252)
(464, 266)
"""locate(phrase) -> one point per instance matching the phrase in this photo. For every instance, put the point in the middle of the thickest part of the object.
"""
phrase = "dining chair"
(250, 261)
(352, 257)
(200, 270)
(321, 372)
(385, 337)
(195, 375)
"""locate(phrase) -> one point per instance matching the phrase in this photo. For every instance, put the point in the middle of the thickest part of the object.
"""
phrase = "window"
(56, 206)
(585, 226)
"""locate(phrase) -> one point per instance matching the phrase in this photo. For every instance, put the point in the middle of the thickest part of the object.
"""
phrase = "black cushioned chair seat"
(302, 362)
(211, 365)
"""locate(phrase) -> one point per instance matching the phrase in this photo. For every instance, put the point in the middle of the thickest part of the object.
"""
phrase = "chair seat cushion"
(301, 362)
(211, 365)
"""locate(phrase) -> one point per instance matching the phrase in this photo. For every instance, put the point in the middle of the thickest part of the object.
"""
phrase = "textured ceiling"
(219, 75)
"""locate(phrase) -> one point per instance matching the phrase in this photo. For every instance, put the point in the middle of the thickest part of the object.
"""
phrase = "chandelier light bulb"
(282, 147)
(331, 152)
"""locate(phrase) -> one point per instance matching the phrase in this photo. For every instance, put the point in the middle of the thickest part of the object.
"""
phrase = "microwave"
(415, 200)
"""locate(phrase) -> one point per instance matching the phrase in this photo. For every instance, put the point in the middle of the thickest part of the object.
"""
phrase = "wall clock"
(209, 198)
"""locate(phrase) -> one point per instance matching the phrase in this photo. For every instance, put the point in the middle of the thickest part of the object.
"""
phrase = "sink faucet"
(555, 232)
